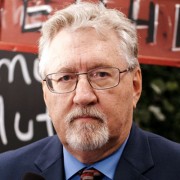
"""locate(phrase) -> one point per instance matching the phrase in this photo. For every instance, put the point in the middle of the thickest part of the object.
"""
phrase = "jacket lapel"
(136, 158)
(50, 160)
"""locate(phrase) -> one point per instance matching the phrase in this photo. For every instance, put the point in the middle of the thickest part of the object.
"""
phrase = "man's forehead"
(83, 62)
(79, 66)
(90, 54)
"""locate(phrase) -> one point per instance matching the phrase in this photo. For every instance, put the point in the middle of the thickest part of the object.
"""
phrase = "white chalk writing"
(27, 136)
(23, 136)
(11, 67)
(45, 118)
(2, 126)
(39, 118)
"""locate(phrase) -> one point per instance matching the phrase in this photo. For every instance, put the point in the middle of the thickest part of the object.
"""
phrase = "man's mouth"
(87, 118)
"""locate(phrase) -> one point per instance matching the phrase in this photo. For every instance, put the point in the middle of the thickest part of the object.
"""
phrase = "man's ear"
(137, 85)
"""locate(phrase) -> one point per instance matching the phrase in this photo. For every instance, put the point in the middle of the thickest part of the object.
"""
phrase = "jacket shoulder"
(161, 141)
(32, 148)
(150, 156)
(14, 162)
(163, 147)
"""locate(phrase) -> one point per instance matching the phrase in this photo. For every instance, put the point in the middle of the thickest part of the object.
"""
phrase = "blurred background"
(23, 115)
(159, 107)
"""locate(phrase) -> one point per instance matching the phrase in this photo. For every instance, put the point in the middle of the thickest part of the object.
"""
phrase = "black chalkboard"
(23, 116)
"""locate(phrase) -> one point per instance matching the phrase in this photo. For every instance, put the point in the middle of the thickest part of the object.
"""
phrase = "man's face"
(88, 119)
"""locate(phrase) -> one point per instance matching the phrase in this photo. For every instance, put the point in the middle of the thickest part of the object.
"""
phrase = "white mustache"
(86, 111)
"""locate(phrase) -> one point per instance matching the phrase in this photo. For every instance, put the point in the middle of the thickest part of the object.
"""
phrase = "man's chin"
(86, 138)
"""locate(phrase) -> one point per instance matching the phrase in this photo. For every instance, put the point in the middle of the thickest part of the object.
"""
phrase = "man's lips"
(86, 118)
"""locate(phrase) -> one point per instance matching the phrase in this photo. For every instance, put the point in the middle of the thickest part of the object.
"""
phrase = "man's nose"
(84, 93)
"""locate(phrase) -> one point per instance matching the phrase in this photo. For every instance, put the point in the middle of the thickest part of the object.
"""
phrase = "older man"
(91, 84)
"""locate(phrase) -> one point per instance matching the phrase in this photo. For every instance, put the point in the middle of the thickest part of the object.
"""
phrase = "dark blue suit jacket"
(145, 157)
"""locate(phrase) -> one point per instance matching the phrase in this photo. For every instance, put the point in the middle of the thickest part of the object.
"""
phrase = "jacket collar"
(136, 158)
(50, 160)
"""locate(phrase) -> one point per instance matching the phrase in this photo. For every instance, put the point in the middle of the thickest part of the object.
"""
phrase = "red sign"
(157, 23)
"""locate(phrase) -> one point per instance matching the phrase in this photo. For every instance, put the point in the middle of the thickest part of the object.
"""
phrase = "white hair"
(85, 14)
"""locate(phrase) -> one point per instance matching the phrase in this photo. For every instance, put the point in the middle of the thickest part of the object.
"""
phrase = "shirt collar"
(72, 165)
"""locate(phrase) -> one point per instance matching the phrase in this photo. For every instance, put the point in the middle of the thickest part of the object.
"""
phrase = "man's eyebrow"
(67, 69)
(93, 66)
(99, 65)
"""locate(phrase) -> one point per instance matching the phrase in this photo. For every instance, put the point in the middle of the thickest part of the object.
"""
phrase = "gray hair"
(85, 14)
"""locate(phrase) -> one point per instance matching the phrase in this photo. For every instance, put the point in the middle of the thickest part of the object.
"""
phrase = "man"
(91, 84)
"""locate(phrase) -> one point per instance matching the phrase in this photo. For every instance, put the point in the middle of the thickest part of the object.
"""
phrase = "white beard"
(86, 136)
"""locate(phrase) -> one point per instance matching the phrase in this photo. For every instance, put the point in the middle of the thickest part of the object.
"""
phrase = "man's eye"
(66, 78)
(102, 74)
